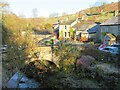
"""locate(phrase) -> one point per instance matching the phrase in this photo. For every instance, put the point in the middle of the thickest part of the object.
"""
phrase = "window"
(65, 26)
(69, 34)
(65, 34)
(112, 50)
(106, 49)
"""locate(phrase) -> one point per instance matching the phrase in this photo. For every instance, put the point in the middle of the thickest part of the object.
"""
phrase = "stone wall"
(45, 52)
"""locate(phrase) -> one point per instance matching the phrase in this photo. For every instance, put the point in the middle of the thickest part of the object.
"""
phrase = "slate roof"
(83, 26)
(94, 29)
(112, 21)
(68, 22)
(77, 25)
(56, 23)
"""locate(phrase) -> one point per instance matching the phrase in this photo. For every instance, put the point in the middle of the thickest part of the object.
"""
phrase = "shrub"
(118, 61)
(97, 54)
(67, 55)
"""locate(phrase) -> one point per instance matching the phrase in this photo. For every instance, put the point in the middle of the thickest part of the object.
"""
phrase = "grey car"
(112, 50)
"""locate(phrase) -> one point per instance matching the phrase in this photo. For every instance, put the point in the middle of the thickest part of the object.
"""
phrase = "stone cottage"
(86, 31)
(63, 29)
(111, 26)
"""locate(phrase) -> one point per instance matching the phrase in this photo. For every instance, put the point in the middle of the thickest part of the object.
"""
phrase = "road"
(41, 42)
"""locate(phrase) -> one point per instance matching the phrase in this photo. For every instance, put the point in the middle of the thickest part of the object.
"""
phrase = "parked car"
(3, 49)
(112, 50)
(116, 45)
(102, 46)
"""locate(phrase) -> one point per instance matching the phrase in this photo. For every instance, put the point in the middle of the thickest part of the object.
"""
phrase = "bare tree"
(35, 12)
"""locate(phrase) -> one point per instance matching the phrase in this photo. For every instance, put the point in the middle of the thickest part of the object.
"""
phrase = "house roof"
(94, 29)
(110, 35)
(83, 26)
(112, 21)
(56, 29)
(67, 22)
(56, 23)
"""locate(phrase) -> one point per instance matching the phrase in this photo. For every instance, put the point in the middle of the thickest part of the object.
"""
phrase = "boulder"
(85, 61)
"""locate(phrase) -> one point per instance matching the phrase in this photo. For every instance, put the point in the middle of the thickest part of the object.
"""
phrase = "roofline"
(65, 24)
(79, 30)
(91, 32)
(109, 24)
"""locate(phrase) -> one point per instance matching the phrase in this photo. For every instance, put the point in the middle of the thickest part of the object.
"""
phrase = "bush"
(97, 54)
(67, 55)
(118, 61)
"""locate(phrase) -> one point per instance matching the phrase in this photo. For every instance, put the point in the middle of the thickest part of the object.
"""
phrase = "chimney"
(97, 22)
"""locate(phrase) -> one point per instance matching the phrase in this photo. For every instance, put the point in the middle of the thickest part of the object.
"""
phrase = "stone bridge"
(46, 53)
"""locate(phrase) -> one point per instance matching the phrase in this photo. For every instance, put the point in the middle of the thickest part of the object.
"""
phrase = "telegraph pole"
(52, 47)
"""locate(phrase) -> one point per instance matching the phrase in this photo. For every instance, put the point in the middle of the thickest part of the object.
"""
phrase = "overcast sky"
(46, 7)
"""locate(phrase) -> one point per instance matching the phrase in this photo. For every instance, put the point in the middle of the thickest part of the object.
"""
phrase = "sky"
(46, 7)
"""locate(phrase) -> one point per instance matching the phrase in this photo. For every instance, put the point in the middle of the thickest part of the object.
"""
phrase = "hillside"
(103, 13)
(97, 13)
(105, 8)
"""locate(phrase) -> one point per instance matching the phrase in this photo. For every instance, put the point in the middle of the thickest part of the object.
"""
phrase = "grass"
(56, 78)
